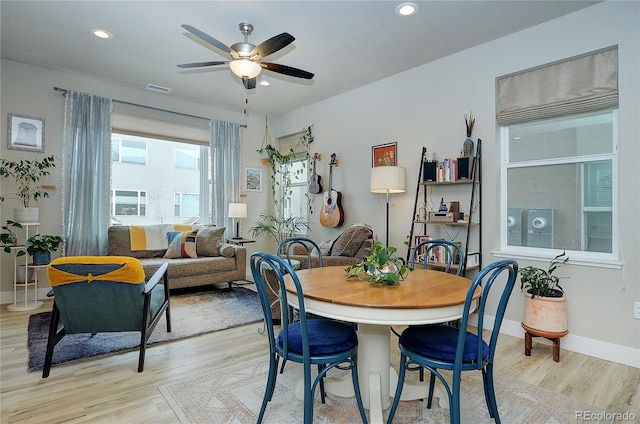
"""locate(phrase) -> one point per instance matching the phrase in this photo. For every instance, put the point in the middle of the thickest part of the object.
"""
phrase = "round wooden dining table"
(423, 297)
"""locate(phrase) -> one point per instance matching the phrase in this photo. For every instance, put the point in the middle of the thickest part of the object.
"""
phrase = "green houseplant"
(8, 237)
(380, 266)
(275, 224)
(544, 299)
(27, 174)
(40, 246)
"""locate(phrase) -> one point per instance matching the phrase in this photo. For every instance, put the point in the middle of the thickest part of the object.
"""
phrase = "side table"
(240, 241)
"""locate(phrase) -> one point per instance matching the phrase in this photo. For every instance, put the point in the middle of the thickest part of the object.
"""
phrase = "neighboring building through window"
(167, 187)
(560, 186)
(296, 202)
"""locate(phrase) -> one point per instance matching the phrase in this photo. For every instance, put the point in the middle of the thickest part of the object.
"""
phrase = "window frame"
(594, 259)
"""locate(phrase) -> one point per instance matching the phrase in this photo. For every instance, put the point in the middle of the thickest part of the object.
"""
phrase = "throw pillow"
(227, 250)
(181, 244)
(349, 242)
(208, 241)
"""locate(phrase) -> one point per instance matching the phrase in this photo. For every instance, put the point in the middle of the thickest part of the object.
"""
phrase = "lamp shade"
(237, 210)
(387, 179)
(245, 68)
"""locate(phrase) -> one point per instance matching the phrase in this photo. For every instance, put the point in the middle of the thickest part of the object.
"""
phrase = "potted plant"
(381, 266)
(278, 227)
(545, 301)
(8, 237)
(27, 174)
(40, 247)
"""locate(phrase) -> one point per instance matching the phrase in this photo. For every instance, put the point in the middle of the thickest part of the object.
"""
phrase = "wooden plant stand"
(530, 333)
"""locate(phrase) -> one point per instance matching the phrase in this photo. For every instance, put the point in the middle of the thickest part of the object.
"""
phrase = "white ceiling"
(346, 44)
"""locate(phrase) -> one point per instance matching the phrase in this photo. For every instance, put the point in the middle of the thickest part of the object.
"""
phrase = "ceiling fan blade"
(272, 45)
(249, 83)
(286, 70)
(200, 64)
(206, 37)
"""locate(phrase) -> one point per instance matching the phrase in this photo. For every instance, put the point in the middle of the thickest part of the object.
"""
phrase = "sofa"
(352, 244)
(196, 254)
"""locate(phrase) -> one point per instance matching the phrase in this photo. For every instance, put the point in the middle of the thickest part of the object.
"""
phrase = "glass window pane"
(186, 158)
(598, 184)
(134, 152)
(559, 138)
(115, 150)
(598, 227)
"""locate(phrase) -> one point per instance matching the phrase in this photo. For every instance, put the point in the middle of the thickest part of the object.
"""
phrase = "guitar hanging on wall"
(314, 181)
(331, 214)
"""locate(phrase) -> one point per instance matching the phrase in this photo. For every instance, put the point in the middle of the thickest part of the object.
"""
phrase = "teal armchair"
(99, 294)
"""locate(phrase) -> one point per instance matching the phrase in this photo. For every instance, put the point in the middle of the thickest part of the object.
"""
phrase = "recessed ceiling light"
(265, 83)
(101, 33)
(407, 9)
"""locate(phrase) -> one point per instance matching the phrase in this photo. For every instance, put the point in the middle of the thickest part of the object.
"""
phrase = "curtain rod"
(64, 92)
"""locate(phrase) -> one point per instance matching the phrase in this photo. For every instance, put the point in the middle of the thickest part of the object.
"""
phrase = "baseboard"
(598, 349)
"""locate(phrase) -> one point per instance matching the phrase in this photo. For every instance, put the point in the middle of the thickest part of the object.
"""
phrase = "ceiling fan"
(245, 58)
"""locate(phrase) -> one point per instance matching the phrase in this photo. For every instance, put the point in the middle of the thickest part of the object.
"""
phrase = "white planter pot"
(26, 215)
(545, 313)
(20, 274)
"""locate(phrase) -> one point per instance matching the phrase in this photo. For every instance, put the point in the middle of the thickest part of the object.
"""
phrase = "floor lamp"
(237, 211)
(387, 180)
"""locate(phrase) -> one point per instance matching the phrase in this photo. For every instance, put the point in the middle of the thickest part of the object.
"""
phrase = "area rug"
(192, 314)
(234, 395)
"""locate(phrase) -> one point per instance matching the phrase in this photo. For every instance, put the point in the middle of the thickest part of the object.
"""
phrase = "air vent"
(158, 88)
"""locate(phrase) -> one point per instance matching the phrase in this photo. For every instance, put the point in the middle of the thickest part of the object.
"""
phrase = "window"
(159, 191)
(186, 158)
(186, 205)
(128, 202)
(296, 203)
(128, 151)
(560, 186)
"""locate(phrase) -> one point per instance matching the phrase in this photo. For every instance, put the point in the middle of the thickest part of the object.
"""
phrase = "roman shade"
(160, 124)
(576, 85)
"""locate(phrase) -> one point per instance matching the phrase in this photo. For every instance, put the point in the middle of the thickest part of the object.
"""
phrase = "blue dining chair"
(286, 248)
(440, 347)
(328, 343)
(431, 248)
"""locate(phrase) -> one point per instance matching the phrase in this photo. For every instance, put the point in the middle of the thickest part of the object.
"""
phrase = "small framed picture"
(384, 155)
(252, 179)
(25, 133)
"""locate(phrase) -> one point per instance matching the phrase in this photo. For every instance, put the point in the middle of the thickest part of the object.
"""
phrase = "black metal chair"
(441, 347)
(326, 343)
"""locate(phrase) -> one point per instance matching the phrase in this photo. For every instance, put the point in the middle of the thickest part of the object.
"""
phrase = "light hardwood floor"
(110, 390)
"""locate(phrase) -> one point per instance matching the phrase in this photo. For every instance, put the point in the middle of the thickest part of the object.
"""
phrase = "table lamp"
(237, 211)
(387, 180)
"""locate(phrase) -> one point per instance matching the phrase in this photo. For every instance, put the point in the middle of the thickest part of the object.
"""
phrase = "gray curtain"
(225, 164)
(86, 173)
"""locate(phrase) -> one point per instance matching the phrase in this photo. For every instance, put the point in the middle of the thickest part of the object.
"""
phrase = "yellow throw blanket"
(153, 237)
(128, 270)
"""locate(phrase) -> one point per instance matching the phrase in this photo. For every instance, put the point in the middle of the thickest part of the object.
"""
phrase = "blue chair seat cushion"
(440, 343)
(325, 337)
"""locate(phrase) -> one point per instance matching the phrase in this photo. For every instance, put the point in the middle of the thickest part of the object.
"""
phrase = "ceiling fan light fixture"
(407, 9)
(245, 68)
(101, 33)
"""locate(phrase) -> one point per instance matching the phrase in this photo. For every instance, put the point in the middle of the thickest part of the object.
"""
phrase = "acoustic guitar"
(314, 181)
(331, 214)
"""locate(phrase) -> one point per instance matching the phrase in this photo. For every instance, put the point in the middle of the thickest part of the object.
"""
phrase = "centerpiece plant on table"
(381, 266)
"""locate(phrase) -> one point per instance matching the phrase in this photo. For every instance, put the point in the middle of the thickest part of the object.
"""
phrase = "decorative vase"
(26, 215)
(41, 257)
(467, 147)
(547, 314)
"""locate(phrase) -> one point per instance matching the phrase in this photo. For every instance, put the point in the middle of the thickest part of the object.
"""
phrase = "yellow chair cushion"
(73, 269)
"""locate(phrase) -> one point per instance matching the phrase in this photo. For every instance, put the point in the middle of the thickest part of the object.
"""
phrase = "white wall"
(426, 106)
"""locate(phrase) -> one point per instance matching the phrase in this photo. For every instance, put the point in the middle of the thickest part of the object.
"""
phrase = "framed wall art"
(25, 133)
(252, 179)
(384, 155)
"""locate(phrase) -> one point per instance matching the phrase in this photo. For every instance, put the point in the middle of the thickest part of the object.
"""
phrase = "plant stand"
(530, 333)
(25, 304)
